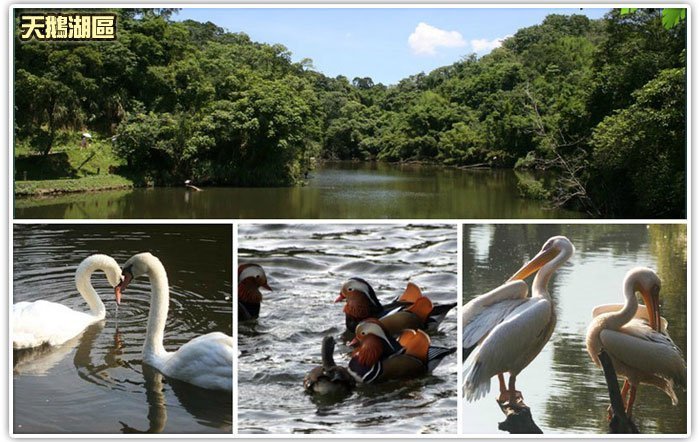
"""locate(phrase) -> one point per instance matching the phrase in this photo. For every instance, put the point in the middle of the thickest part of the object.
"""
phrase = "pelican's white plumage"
(636, 339)
(49, 323)
(205, 361)
(504, 330)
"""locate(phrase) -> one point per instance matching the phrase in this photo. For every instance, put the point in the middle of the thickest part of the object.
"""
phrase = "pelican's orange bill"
(534, 264)
(651, 301)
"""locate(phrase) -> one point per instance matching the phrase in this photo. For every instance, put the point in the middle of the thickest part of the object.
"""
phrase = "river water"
(96, 383)
(564, 389)
(306, 266)
(334, 190)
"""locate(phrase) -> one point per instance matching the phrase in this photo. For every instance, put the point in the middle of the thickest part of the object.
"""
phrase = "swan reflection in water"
(209, 407)
(39, 361)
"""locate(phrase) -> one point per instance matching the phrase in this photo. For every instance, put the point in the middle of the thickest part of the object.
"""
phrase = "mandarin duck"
(250, 278)
(361, 303)
(380, 357)
(328, 379)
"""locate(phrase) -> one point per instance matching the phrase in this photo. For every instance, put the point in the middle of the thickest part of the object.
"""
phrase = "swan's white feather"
(46, 323)
(206, 361)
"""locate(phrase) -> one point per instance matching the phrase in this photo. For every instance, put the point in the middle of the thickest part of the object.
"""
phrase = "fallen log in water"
(620, 422)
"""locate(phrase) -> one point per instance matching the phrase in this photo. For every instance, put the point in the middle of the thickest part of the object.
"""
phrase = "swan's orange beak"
(534, 264)
(122, 286)
(651, 301)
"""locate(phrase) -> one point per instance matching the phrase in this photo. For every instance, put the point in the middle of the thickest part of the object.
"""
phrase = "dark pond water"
(306, 266)
(564, 389)
(334, 190)
(96, 382)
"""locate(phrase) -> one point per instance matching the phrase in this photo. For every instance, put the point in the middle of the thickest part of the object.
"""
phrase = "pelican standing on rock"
(635, 338)
(504, 330)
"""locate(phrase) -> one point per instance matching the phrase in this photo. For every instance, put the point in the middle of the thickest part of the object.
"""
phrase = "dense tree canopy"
(599, 103)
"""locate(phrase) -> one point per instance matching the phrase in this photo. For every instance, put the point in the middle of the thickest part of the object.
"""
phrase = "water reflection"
(336, 190)
(566, 391)
(38, 361)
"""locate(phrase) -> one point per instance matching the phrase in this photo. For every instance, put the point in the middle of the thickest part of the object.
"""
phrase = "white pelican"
(635, 338)
(504, 330)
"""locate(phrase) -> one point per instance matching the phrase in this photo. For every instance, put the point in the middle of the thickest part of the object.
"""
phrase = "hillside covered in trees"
(600, 104)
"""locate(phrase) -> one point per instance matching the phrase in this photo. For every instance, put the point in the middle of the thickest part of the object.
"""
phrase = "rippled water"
(564, 389)
(96, 382)
(334, 190)
(306, 266)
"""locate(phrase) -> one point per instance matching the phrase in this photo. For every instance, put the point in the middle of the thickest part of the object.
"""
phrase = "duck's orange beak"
(266, 286)
(534, 264)
(651, 301)
(340, 297)
(355, 342)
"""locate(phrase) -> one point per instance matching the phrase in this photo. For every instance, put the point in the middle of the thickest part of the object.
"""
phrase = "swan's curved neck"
(85, 288)
(160, 296)
(539, 285)
(628, 311)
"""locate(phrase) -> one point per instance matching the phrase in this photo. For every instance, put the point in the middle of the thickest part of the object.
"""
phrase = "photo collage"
(444, 221)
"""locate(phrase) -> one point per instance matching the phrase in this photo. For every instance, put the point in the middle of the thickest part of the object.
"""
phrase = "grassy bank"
(71, 185)
(69, 168)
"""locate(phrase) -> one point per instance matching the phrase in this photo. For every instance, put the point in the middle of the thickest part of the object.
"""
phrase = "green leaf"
(672, 16)
(625, 11)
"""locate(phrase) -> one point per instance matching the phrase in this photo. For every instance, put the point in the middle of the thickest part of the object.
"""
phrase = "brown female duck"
(328, 379)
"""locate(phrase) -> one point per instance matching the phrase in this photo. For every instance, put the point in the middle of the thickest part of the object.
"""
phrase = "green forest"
(600, 105)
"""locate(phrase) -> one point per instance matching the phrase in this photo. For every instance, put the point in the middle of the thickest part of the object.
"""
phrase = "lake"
(334, 190)
(306, 266)
(96, 382)
(564, 389)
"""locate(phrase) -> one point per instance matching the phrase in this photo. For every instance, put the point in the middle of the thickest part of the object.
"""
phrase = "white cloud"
(425, 39)
(483, 45)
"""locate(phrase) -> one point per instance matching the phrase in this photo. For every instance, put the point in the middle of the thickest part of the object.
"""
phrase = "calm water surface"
(96, 382)
(565, 390)
(334, 190)
(306, 266)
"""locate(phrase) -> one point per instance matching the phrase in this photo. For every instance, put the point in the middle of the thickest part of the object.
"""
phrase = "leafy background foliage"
(598, 103)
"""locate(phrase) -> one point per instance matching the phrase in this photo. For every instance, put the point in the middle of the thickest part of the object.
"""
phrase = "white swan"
(42, 322)
(206, 361)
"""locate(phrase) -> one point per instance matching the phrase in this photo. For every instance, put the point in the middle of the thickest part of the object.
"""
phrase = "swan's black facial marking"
(127, 276)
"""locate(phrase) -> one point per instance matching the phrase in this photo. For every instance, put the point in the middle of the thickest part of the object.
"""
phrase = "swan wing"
(485, 312)
(205, 361)
(42, 322)
(645, 350)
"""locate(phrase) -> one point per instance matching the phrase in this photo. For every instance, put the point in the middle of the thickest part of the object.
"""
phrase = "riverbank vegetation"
(601, 104)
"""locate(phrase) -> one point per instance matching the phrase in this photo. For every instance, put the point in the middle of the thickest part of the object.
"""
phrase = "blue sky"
(385, 44)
